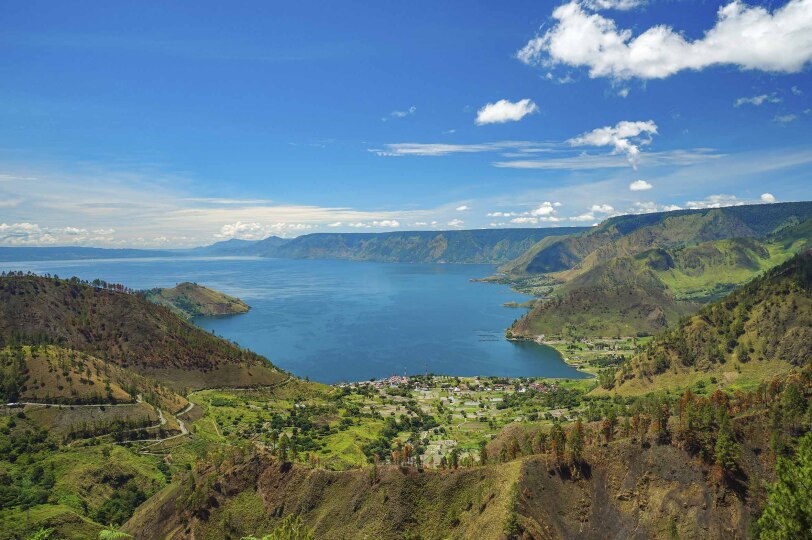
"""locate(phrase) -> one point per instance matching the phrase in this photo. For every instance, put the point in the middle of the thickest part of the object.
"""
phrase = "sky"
(157, 124)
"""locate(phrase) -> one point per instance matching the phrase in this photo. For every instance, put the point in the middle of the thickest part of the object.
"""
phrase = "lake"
(335, 321)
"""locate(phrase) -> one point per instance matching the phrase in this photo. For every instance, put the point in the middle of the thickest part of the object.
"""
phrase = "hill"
(475, 246)
(639, 283)
(53, 375)
(632, 234)
(769, 320)
(191, 300)
(126, 329)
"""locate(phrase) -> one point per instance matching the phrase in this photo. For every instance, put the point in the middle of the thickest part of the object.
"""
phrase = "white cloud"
(504, 111)
(545, 209)
(796, 91)
(525, 220)
(584, 217)
(757, 100)
(463, 208)
(620, 5)
(334, 224)
(501, 214)
(767, 198)
(785, 118)
(388, 223)
(384, 223)
(715, 201)
(602, 208)
(403, 114)
(640, 185)
(243, 231)
(750, 37)
(645, 207)
(592, 161)
(455, 223)
(443, 149)
(625, 138)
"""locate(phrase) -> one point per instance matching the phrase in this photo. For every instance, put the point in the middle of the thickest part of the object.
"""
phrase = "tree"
(788, 513)
(726, 450)
(575, 442)
(558, 442)
(111, 533)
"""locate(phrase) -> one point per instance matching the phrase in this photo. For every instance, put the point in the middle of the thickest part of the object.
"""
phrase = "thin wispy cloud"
(757, 100)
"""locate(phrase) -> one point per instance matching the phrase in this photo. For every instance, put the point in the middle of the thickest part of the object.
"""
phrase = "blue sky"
(179, 124)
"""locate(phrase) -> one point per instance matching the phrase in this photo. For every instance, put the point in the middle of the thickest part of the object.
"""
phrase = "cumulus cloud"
(625, 138)
(546, 208)
(258, 231)
(463, 208)
(767, 198)
(589, 216)
(749, 37)
(602, 208)
(504, 111)
(384, 223)
(640, 185)
(33, 234)
(525, 220)
(715, 201)
(757, 100)
(243, 231)
(334, 224)
(796, 91)
(456, 223)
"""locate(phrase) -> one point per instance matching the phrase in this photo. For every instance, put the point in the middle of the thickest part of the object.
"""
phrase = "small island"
(191, 300)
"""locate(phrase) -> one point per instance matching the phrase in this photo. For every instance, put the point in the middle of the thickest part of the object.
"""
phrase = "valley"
(122, 415)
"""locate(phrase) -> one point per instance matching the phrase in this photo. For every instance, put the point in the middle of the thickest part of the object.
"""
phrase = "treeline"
(96, 283)
(712, 427)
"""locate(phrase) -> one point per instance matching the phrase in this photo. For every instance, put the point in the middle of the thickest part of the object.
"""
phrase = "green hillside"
(769, 320)
(632, 234)
(191, 300)
(641, 282)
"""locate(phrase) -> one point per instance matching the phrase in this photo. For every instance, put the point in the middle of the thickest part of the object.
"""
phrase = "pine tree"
(788, 513)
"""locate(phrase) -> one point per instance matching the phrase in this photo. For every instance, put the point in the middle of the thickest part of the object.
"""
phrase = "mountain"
(475, 246)
(191, 300)
(126, 329)
(75, 252)
(662, 268)
(769, 320)
(234, 247)
(632, 234)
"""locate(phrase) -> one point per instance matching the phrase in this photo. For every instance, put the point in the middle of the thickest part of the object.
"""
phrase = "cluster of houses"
(394, 381)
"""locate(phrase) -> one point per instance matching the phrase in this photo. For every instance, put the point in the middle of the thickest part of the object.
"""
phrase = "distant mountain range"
(494, 246)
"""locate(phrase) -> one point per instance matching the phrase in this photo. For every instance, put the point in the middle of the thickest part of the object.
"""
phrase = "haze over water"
(337, 321)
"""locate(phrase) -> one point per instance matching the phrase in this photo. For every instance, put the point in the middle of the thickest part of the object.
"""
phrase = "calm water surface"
(342, 320)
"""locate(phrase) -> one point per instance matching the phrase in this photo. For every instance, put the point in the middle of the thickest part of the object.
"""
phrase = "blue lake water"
(342, 320)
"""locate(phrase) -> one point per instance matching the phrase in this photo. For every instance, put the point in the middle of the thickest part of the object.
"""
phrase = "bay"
(333, 320)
